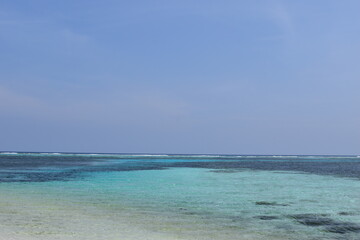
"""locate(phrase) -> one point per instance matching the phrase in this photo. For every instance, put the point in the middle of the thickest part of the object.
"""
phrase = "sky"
(165, 76)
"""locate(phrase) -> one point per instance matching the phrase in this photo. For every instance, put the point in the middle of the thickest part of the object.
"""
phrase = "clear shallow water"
(58, 196)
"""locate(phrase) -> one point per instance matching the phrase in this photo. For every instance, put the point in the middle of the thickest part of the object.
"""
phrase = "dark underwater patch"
(337, 168)
(29, 168)
(347, 213)
(226, 171)
(265, 203)
(39, 176)
(312, 219)
(343, 227)
(266, 217)
(70, 166)
(329, 224)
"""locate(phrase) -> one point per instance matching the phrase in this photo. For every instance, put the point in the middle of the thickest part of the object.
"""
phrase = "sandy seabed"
(23, 218)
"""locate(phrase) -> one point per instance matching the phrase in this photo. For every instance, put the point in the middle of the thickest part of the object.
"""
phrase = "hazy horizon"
(174, 154)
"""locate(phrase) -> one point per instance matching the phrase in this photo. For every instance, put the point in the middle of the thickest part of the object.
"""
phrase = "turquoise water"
(63, 196)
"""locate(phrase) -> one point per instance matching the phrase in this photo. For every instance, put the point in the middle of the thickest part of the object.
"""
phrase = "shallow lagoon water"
(70, 196)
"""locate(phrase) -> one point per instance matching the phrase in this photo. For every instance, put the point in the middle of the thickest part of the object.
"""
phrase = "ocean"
(129, 196)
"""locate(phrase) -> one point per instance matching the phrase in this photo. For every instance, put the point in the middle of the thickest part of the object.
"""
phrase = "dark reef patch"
(330, 225)
(266, 217)
(265, 203)
(45, 168)
(347, 213)
(340, 167)
(63, 167)
(343, 227)
(226, 171)
(313, 219)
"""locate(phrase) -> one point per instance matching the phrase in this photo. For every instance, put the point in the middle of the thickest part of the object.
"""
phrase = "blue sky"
(234, 77)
